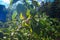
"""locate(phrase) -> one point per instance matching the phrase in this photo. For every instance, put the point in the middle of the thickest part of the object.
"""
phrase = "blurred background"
(30, 19)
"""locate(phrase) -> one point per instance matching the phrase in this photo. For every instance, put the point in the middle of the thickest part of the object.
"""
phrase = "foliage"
(36, 26)
(14, 15)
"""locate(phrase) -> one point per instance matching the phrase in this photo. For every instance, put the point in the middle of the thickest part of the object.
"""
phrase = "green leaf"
(14, 15)
(21, 16)
(28, 14)
(11, 2)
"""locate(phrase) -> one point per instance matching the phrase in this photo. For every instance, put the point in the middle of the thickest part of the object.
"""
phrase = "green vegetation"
(35, 26)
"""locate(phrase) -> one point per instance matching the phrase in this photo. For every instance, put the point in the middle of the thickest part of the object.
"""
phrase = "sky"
(7, 2)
